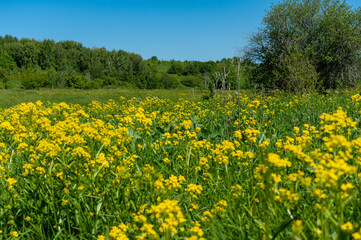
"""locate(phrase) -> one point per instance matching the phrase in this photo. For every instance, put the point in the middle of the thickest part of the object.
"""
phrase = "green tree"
(107, 81)
(191, 81)
(176, 67)
(122, 66)
(326, 32)
(47, 54)
(31, 53)
(3, 79)
(191, 68)
(154, 59)
(169, 82)
(297, 73)
(52, 77)
(78, 81)
(16, 51)
(7, 62)
(30, 79)
(62, 63)
(8, 39)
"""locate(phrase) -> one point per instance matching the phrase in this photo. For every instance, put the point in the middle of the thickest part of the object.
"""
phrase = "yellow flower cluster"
(194, 190)
(119, 232)
(11, 182)
(169, 214)
(275, 160)
(333, 123)
(174, 182)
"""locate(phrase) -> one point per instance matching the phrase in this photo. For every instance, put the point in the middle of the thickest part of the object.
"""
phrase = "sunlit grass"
(9, 98)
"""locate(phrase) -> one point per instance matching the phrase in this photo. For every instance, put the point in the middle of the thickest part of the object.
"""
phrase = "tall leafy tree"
(325, 36)
(8, 39)
(7, 62)
(47, 54)
(31, 53)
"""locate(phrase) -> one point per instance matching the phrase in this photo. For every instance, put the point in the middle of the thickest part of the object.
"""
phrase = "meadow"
(121, 164)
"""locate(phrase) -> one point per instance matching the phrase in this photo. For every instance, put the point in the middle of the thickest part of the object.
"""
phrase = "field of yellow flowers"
(238, 167)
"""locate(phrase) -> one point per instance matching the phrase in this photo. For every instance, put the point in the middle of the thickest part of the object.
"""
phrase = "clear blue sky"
(169, 29)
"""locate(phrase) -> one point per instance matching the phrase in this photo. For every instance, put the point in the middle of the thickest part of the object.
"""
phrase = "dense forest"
(28, 63)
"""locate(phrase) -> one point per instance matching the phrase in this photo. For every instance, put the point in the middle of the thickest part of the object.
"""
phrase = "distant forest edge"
(302, 46)
(32, 64)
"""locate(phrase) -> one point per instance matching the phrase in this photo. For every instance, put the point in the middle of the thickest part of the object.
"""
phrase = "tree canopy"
(69, 60)
(69, 64)
(307, 44)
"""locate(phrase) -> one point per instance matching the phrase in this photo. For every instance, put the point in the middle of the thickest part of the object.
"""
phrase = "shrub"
(109, 81)
(169, 82)
(126, 85)
(78, 81)
(191, 81)
(33, 80)
(95, 84)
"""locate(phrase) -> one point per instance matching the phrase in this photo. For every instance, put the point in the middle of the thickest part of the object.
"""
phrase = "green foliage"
(297, 73)
(94, 84)
(109, 81)
(176, 67)
(30, 79)
(191, 68)
(8, 39)
(169, 82)
(147, 79)
(227, 65)
(69, 58)
(62, 64)
(3, 78)
(126, 85)
(154, 59)
(191, 81)
(2, 74)
(52, 77)
(7, 62)
(323, 34)
(211, 92)
(77, 81)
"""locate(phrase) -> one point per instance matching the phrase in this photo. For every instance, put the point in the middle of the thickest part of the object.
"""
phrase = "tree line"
(68, 64)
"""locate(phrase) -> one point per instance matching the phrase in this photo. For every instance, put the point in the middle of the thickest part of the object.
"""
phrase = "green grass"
(254, 168)
(10, 98)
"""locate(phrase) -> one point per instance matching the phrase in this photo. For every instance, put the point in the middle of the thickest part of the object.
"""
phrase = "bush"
(2, 75)
(175, 68)
(78, 81)
(169, 82)
(33, 80)
(126, 85)
(109, 81)
(191, 81)
(95, 84)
